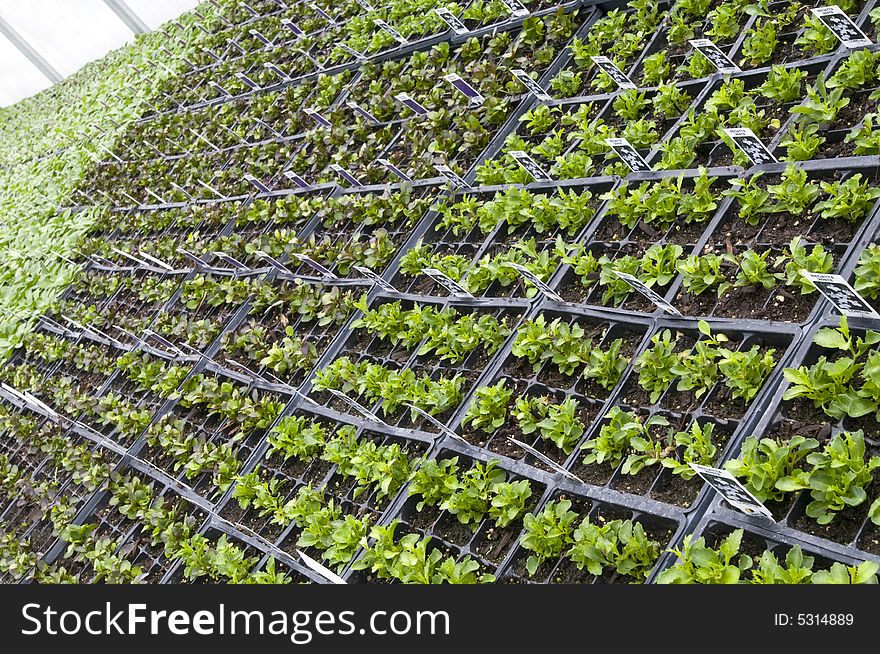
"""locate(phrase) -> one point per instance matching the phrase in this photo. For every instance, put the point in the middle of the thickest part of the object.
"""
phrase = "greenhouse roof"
(44, 41)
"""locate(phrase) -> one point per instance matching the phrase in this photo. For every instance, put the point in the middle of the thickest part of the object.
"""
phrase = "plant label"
(323, 14)
(296, 179)
(468, 91)
(649, 293)
(357, 406)
(211, 188)
(450, 175)
(189, 255)
(394, 169)
(407, 100)
(322, 570)
(317, 117)
(617, 76)
(747, 141)
(732, 490)
(530, 166)
(235, 263)
(376, 279)
(843, 296)
(715, 56)
(546, 460)
(452, 20)
(629, 155)
(220, 88)
(293, 27)
(446, 282)
(529, 276)
(257, 184)
(344, 174)
(354, 53)
(516, 8)
(531, 85)
(431, 419)
(313, 264)
(272, 261)
(284, 76)
(843, 27)
(250, 9)
(363, 113)
(237, 45)
(152, 259)
(397, 36)
(260, 37)
(366, 6)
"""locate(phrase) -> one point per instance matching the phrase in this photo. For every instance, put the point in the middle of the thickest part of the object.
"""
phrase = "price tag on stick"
(715, 56)
(629, 155)
(617, 76)
(531, 85)
(843, 27)
(446, 282)
(530, 166)
(535, 281)
(747, 141)
(452, 20)
(732, 490)
(843, 296)
(637, 284)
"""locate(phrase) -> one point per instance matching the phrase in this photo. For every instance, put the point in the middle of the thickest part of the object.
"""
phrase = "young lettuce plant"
(548, 534)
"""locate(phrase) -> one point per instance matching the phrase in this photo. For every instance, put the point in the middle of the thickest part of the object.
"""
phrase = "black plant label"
(450, 175)
(530, 166)
(344, 174)
(468, 91)
(732, 490)
(407, 100)
(843, 27)
(363, 113)
(452, 20)
(531, 85)
(747, 141)
(394, 169)
(714, 54)
(628, 154)
(617, 76)
(296, 179)
(843, 296)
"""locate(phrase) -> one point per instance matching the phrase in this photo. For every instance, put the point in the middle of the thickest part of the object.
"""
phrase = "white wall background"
(68, 34)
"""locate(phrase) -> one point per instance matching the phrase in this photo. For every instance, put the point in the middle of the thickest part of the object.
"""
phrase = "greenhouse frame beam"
(32, 55)
(127, 16)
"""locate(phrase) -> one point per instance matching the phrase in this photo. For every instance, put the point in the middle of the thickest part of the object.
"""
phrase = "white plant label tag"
(439, 425)
(617, 76)
(357, 406)
(260, 37)
(715, 56)
(321, 569)
(843, 296)
(323, 14)
(313, 264)
(530, 166)
(531, 85)
(247, 80)
(450, 175)
(843, 27)
(270, 66)
(529, 276)
(732, 490)
(363, 113)
(747, 141)
(649, 293)
(296, 179)
(408, 101)
(516, 8)
(446, 282)
(317, 117)
(366, 6)
(629, 155)
(546, 460)
(397, 36)
(354, 53)
(376, 279)
(452, 20)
